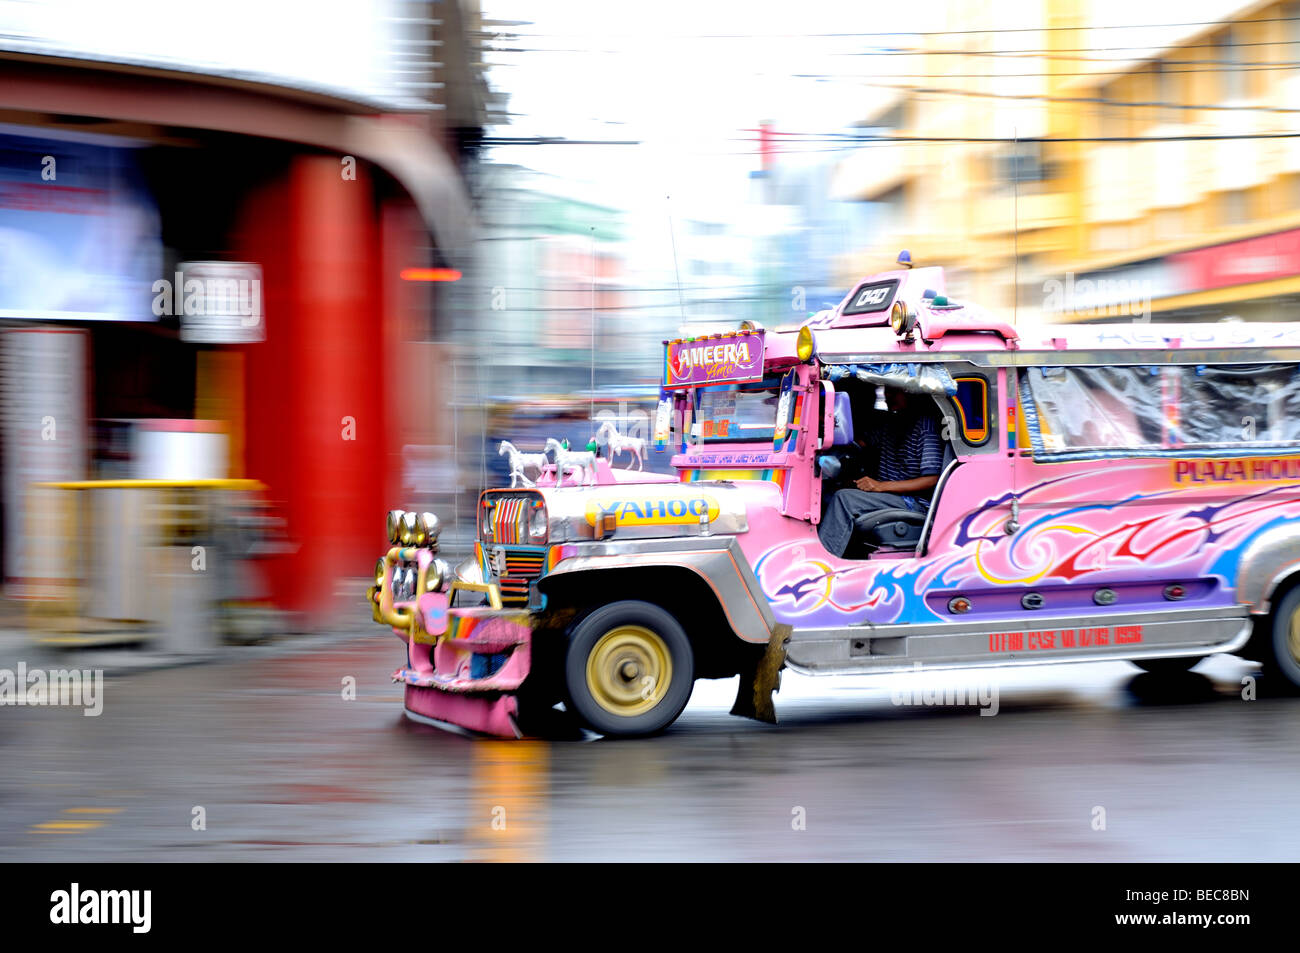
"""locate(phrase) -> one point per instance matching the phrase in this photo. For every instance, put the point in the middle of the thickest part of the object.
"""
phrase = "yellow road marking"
(67, 827)
(92, 810)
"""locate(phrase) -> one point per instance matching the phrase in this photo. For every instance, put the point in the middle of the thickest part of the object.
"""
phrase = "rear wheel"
(1166, 666)
(1284, 654)
(629, 669)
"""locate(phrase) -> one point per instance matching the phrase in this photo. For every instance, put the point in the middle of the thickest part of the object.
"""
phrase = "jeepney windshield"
(1096, 411)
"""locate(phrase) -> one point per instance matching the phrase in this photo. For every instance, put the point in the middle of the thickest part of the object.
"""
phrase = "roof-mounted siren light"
(902, 320)
(749, 325)
(904, 259)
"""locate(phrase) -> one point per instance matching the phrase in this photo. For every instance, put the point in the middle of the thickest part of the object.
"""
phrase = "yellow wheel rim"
(1293, 637)
(629, 670)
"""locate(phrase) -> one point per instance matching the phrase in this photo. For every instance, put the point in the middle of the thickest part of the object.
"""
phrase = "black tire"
(612, 652)
(1167, 666)
(1283, 655)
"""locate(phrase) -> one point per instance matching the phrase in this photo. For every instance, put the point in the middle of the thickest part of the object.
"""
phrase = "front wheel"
(629, 669)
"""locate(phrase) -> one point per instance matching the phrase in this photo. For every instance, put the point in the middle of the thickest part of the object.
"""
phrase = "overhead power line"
(1062, 54)
(1251, 68)
(1056, 53)
(1089, 100)
(1191, 137)
(787, 36)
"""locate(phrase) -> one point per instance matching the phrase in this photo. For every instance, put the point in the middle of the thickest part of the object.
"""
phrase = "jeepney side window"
(1092, 408)
(1153, 409)
(972, 400)
(1228, 405)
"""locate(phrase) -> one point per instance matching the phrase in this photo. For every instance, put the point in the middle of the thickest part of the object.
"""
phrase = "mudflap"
(469, 675)
(762, 677)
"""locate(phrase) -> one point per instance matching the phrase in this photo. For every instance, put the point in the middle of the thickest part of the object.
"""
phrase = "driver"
(908, 464)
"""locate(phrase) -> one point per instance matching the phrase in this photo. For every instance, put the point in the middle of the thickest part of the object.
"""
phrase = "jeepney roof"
(834, 343)
(858, 330)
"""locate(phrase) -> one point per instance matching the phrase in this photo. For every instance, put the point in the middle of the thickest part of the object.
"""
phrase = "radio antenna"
(591, 407)
(681, 306)
(1012, 525)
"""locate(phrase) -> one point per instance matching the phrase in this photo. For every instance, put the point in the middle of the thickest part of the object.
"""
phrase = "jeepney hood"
(642, 511)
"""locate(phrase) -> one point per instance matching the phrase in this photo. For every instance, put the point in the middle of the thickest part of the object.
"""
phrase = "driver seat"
(893, 528)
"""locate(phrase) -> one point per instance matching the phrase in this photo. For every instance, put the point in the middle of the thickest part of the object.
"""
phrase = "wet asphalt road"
(285, 769)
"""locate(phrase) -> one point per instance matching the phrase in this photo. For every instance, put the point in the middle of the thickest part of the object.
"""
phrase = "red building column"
(319, 402)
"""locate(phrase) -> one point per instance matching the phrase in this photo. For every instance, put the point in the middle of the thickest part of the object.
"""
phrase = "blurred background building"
(309, 160)
(1204, 227)
(343, 249)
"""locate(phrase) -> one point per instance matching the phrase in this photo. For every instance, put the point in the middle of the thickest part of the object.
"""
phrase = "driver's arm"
(916, 485)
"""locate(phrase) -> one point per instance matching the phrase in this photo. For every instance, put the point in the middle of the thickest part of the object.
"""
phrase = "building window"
(1234, 207)
(1114, 113)
(1168, 225)
(1022, 163)
(1111, 237)
(1166, 92)
(1228, 64)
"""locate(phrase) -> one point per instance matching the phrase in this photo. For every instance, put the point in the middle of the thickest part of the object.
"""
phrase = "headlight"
(900, 319)
(538, 525)
(470, 571)
(803, 345)
(406, 531)
(395, 526)
(379, 573)
(427, 527)
(437, 576)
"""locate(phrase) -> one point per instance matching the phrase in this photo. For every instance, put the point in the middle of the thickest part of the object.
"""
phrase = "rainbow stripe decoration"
(508, 518)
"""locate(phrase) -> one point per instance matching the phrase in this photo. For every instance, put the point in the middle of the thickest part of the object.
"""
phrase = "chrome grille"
(522, 568)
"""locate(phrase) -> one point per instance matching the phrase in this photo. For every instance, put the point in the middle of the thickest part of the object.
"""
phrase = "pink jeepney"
(1108, 492)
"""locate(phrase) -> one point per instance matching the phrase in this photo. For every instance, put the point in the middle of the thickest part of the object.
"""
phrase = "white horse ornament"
(609, 437)
(574, 461)
(521, 462)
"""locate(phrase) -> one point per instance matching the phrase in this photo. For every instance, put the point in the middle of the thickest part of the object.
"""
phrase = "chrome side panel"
(895, 648)
(1270, 558)
(1037, 357)
(717, 560)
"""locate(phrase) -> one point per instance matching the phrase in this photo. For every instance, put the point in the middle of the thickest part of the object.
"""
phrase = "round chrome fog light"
(395, 525)
(428, 526)
(407, 530)
(437, 576)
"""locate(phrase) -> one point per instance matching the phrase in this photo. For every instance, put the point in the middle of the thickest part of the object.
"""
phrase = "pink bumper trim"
(494, 716)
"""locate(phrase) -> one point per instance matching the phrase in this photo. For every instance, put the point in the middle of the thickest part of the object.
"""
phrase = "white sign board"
(218, 302)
